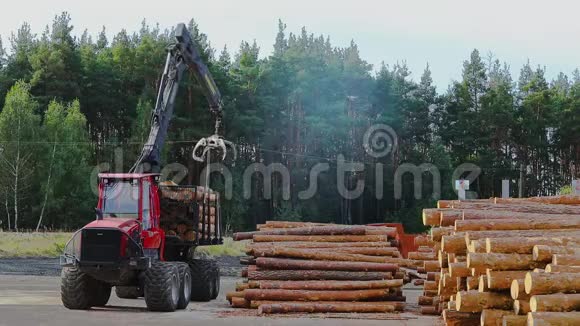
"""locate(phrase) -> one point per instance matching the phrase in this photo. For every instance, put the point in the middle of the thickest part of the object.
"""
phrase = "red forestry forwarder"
(145, 234)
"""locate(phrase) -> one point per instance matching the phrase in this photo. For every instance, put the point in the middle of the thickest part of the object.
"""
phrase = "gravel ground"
(229, 266)
(35, 300)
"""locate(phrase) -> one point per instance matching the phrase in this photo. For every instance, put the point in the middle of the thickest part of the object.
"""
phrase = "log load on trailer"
(144, 237)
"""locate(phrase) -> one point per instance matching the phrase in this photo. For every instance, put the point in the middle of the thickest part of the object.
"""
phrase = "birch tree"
(18, 129)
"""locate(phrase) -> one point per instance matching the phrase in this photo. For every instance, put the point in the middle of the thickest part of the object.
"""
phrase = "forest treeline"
(70, 103)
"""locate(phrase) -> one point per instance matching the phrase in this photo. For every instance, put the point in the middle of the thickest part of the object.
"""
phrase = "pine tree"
(281, 44)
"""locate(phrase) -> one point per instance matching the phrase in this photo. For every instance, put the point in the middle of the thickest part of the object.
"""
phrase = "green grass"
(229, 248)
(51, 245)
(32, 244)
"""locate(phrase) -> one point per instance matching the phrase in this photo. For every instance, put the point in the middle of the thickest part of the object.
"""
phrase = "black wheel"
(77, 289)
(185, 285)
(162, 287)
(216, 280)
(202, 286)
(102, 294)
(129, 292)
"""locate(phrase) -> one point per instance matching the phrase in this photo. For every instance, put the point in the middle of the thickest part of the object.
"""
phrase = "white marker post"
(576, 187)
(505, 189)
(461, 186)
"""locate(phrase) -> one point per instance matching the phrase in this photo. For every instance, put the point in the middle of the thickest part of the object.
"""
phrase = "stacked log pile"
(178, 217)
(503, 260)
(314, 268)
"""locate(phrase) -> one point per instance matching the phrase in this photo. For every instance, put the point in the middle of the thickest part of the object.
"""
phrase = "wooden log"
(459, 270)
(309, 230)
(430, 285)
(422, 255)
(521, 307)
(482, 286)
(240, 303)
(316, 245)
(453, 202)
(514, 320)
(522, 208)
(474, 235)
(231, 295)
(502, 280)
(325, 307)
(525, 245)
(429, 310)
(425, 301)
(518, 290)
(308, 295)
(518, 224)
(475, 214)
(431, 216)
(472, 282)
(425, 249)
(433, 276)
(424, 241)
(443, 259)
(330, 285)
(242, 286)
(478, 271)
(449, 216)
(319, 238)
(447, 286)
(554, 200)
(450, 257)
(493, 317)
(330, 255)
(381, 230)
(294, 264)
(555, 302)
(562, 269)
(544, 253)
(474, 301)
(438, 232)
(451, 304)
(554, 318)
(294, 275)
(546, 283)
(285, 224)
(502, 261)
(431, 266)
(446, 279)
(477, 246)
(567, 260)
(381, 251)
(454, 244)
(456, 318)
(399, 306)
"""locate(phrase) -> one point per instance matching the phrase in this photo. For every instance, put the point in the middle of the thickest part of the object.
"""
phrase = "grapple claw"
(213, 142)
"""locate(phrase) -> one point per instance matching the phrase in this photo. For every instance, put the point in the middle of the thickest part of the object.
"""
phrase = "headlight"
(73, 246)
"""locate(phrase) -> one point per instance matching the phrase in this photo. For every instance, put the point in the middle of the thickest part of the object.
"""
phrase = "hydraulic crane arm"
(181, 55)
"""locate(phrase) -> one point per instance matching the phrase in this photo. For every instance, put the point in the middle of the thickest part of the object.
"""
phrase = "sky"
(442, 33)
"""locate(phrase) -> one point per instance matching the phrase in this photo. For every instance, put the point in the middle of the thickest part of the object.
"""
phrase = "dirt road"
(35, 300)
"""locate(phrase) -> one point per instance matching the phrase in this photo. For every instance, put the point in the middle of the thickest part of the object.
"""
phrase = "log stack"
(503, 261)
(314, 268)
